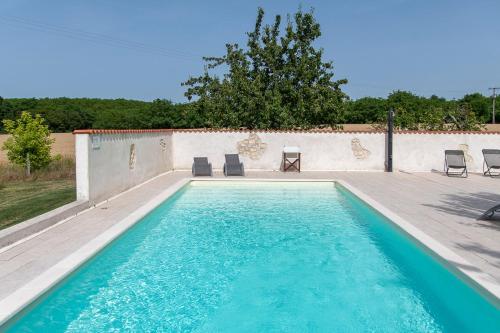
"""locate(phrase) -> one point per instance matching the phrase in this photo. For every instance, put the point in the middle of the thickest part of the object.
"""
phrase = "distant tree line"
(425, 113)
(412, 112)
(68, 114)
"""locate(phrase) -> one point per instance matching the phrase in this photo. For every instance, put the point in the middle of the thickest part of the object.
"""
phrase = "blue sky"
(145, 49)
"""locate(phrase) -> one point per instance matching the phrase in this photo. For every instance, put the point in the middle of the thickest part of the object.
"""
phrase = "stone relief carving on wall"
(163, 145)
(358, 150)
(252, 147)
(132, 157)
(465, 148)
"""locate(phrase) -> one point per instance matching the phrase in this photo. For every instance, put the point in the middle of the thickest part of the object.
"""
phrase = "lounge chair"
(201, 167)
(233, 166)
(491, 161)
(490, 212)
(455, 159)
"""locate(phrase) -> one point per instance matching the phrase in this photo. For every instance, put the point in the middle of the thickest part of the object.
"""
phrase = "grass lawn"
(22, 200)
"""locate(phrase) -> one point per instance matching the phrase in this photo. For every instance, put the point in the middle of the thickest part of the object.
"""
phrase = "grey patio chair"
(455, 159)
(491, 161)
(490, 212)
(233, 166)
(201, 167)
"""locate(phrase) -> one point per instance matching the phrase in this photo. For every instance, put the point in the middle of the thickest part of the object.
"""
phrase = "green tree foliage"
(278, 81)
(414, 112)
(461, 117)
(30, 142)
(68, 114)
(366, 110)
(480, 105)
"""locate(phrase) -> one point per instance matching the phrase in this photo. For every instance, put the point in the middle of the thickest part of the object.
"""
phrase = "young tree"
(30, 142)
(460, 117)
(278, 81)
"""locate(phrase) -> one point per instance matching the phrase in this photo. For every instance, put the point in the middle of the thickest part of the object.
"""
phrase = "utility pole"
(390, 131)
(494, 98)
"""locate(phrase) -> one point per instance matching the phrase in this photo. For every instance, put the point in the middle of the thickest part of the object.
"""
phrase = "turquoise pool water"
(262, 257)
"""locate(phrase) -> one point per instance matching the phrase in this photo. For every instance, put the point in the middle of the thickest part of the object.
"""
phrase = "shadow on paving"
(464, 266)
(478, 248)
(471, 205)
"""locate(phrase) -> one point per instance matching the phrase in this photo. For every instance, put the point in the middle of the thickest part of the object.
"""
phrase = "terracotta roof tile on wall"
(446, 132)
(230, 130)
(235, 130)
(119, 131)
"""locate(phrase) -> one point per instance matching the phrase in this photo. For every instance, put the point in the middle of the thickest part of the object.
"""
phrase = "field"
(24, 197)
(22, 200)
(63, 145)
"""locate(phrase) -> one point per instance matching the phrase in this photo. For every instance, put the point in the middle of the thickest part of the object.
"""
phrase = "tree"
(461, 117)
(366, 110)
(30, 142)
(413, 112)
(278, 81)
(480, 105)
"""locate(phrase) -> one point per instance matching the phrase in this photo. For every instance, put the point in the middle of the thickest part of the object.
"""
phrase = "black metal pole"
(390, 131)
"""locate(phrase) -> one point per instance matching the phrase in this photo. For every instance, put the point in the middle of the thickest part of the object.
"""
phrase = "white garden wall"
(424, 152)
(109, 162)
(320, 151)
(107, 165)
(336, 151)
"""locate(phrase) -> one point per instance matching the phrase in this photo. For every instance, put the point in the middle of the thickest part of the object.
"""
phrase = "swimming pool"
(262, 257)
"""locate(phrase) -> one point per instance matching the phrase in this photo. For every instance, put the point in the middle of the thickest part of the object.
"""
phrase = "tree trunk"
(28, 165)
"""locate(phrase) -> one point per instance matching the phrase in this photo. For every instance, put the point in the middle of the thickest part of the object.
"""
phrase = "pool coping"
(21, 298)
(484, 282)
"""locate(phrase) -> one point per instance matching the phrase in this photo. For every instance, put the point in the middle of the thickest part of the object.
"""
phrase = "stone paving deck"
(444, 208)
